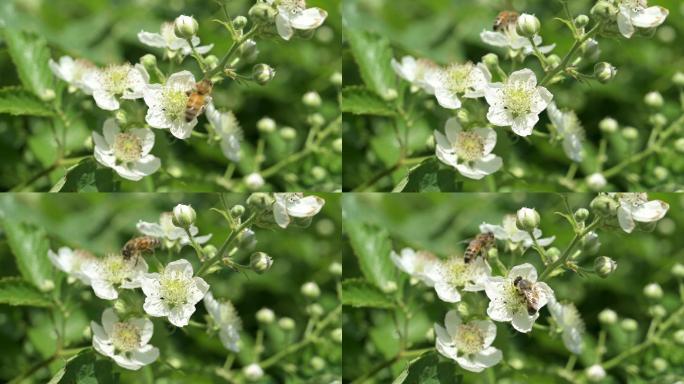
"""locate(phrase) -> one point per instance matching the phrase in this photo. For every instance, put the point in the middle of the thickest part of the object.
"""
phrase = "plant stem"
(233, 48)
(226, 244)
(387, 363)
(569, 56)
(568, 251)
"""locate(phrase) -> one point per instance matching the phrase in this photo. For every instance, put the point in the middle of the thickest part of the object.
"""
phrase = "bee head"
(204, 87)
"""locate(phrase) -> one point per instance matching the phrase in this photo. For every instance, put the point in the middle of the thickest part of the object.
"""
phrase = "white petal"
(182, 267)
(182, 129)
(152, 39)
(452, 320)
(650, 17)
(524, 125)
(105, 100)
(147, 165)
(470, 172)
(145, 355)
(488, 164)
(525, 76)
(104, 289)
(305, 207)
(150, 284)
(180, 315)
(280, 215)
(184, 80)
(127, 363)
(406, 69)
(442, 335)
(526, 271)
(522, 322)
(156, 118)
(447, 292)
(447, 99)
(625, 219)
(488, 329)
(489, 357)
(283, 26)
(152, 94)
(540, 100)
(452, 129)
(624, 23)
(109, 318)
(650, 211)
(146, 137)
(153, 306)
(127, 173)
(497, 39)
(110, 130)
(489, 136)
(199, 290)
(499, 116)
(468, 363)
(309, 19)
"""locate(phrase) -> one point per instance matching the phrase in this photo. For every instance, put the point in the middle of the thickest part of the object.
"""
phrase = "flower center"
(458, 77)
(518, 98)
(458, 272)
(174, 289)
(174, 103)
(116, 269)
(469, 339)
(514, 301)
(293, 5)
(635, 5)
(469, 146)
(116, 78)
(125, 337)
(127, 147)
(633, 199)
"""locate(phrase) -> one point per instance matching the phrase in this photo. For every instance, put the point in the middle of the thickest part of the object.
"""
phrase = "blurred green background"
(441, 222)
(102, 223)
(105, 32)
(449, 31)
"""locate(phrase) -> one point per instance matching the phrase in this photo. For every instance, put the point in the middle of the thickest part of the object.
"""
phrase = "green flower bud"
(630, 133)
(604, 10)
(336, 79)
(581, 21)
(604, 266)
(654, 100)
(248, 50)
(260, 201)
(553, 253)
(659, 364)
(607, 317)
(653, 291)
(657, 311)
(679, 337)
(210, 251)
(183, 216)
(527, 25)
(658, 119)
(493, 252)
(582, 214)
(317, 363)
(266, 125)
(239, 22)
(604, 205)
(315, 119)
(237, 211)
(312, 99)
(554, 60)
(260, 262)
(311, 290)
(288, 133)
(265, 316)
(286, 324)
(335, 269)
(263, 73)
(678, 270)
(319, 173)
(490, 60)
(336, 335)
(595, 373)
(149, 61)
(337, 145)
(661, 173)
(604, 72)
(527, 219)
(629, 325)
(315, 310)
(185, 27)
(679, 145)
(390, 95)
(608, 125)
(678, 79)
(590, 243)
(212, 61)
(262, 13)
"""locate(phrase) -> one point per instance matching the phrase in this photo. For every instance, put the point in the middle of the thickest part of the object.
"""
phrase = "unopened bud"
(653, 291)
(607, 317)
(212, 61)
(262, 13)
(315, 310)
(554, 60)
(253, 372)
(604, 266)
(678, 79)
(148, 61)
(527, 219)
(679, 145)
(490, 60)
(553, 253)
(582, 214)
(266, 125)
(286, 324)
(604, 72)
(248, 50)
(315, 119)
(659, 364)
(581, 21)
(595, 373)
(312, 99)
(263, 73)
(596, 181)
(183, 216)
(678, 270)
(337, 145)
(661, 173)
(237, 211)
(629, 325)
(239, 22)
(259, 201)
(288, 133)
(185, 26)
(265, 316)
(630, 133)
(658, 119)
(604, 205)
(335, 269)
(527, 25)
(311, 290)
(657, 311)
(679, 337)
(654, 99)
(260, 262)
(336, 79)
(608, 125)
(209, 251)
(336, 335)
(590, 243)
(604, 9)
(254, 181)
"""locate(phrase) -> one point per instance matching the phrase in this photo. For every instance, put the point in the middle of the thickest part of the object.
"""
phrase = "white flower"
(126, 342)
(173, 292)
(458, 79)
(172, 234)
(595, 373)
(173, 44)
(508, 37)
(636, 13)
(469, 344)
(570, 129)
(450, 276)
(228, 128)
(596, 181)
(254, 181)
(517, 102)
(416, 264)
(415, 72)
(73, 72)
(293, 14)
(635, 207)
(226, 318)
(513, 236)
(468, 151)
(295, 205)
(116, 81)
(71, 262)
(569, 321)
(112, 272)
(507, 301)
(253, 372)
(128, 153)
(167, 104)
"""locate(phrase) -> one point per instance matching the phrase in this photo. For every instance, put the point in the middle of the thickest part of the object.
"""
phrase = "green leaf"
(373, 55)
(16, 291)
(20, 102)
(30, 55)
(427, 369)
(361, 101)
(372, 247)
(30, 245)
(85, 177)
(428, 177)
(360, 293)
(84, 368)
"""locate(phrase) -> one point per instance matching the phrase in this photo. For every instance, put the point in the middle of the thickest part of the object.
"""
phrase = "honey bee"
(478, 246)
(505, 19)
(527, 291)
(197, 99)
(139, 245)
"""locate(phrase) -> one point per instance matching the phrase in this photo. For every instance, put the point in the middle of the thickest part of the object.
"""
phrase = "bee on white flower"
(506, 36)
(635, 208)
(569, 322)
(570, 129)
(454, 274)
(167, 104)
(71, 262)
(172, 44)
(171, 234)
(468, 151)
(469, 344)
(173, 292)
(293, 14)
(517, 297)
(416, 264)
(514, 237)
(228, 128)
(127, 153)
(112, 272)
(114, 82)
(637, 13)
(295, 205)
(125, 342)
(415, 72)
(225, 317)
(518, 102)
(468, 80)
(73, 72)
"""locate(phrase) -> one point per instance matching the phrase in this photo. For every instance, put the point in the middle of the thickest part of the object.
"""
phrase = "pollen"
(174, 103)
(458, 77)
(293, 5)
(458, 272)
(116, 269)
(127, 147)
(469, 339)
(125, 337)
(116, 78)
(174, 289)
(518, 98)
(469, 146)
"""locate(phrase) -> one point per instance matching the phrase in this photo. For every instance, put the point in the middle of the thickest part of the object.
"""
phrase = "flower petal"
(650, 17)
